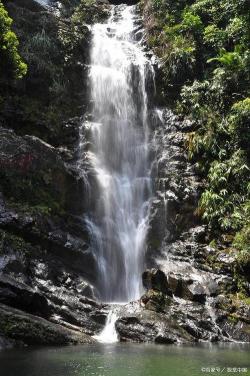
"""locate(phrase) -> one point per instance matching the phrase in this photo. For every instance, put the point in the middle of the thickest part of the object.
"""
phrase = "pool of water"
(127, 360)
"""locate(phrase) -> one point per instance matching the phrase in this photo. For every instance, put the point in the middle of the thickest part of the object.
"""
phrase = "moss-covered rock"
(56, 50)
(154, 300)
(33, 173)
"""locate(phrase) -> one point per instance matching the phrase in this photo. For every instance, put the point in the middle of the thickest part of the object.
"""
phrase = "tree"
(11, 63)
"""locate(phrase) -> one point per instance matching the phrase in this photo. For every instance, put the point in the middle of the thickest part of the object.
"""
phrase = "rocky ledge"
(161, 317)
(24, 329)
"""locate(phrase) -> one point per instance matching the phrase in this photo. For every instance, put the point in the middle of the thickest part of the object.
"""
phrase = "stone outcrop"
(162, 317)
(47, 268)
(189, 277)
(24, 329)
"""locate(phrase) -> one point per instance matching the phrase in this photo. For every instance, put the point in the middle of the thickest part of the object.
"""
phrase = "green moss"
(213, 243)
(233, 319)
(52, 46)
(155, 300)
(9, 240)
(36, 190)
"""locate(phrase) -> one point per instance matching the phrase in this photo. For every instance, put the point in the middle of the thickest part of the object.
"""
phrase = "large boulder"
(20, 295)
(33, 330)
(155, 279)
(186, 288)
(33, 173)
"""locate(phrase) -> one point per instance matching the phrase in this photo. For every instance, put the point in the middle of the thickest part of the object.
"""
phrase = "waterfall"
(109, 334)
(119, 154)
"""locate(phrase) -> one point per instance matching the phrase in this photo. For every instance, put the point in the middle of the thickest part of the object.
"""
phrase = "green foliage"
(55, 50)
(8, 240)
(214, 36)
(241, 109)
(207, 43)
(38, 51)
(89, 12)
(242, 243)
(179, 60)
(242, 239)
(191, 23)
(239, 123)
(236, 30)
(223, 202)
(11, 63)
(234, 60)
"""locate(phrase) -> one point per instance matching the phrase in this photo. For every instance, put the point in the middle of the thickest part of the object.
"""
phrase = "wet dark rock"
(33, 330)
(176, 187)
(165, 339)
(186, 288)
(154, 300)
(212, 288)
(155, 279)
(198, 234)
(7, 343)
(17, 294)
(197, 292)
(43, 177)
(53, 92)
(200, 276)
(236, 329)
(150, 327)
(47, 269)
(179, 323)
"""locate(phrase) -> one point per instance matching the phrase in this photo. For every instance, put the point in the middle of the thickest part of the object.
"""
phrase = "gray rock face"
(176, 185)
(47, 268)
(155, 279)
(195, 273)
(27, 329)
(180, 321)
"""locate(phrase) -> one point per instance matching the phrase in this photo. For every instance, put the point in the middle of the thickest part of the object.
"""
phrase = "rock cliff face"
(47, 269)
(190, 293)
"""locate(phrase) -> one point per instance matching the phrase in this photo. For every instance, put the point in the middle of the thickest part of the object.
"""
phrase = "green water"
(127, 360)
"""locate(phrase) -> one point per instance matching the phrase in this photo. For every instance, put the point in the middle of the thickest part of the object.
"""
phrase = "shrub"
(214, 36)
(230, 60)
(236, 30)
(191, 23)
(11, 63)
(240, 123)
(223, 202)
(179, 60)
(204, 47)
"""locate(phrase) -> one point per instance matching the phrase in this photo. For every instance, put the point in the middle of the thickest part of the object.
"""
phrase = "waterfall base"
(109, 333)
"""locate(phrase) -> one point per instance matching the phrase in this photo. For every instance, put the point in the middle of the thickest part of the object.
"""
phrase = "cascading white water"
(109, 334)
(119, 155)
